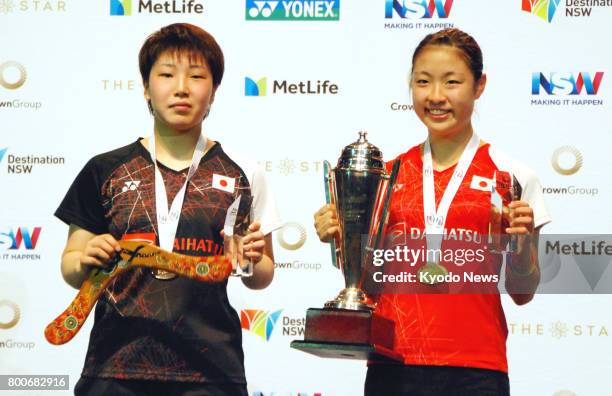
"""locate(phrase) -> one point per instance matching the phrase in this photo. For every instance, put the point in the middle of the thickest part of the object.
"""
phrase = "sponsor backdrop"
(302, 78)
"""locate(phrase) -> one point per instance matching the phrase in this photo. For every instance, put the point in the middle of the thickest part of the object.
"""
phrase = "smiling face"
(180, 90)
(444, 90)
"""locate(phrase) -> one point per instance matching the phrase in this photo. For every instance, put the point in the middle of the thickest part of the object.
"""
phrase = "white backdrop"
(80, 94)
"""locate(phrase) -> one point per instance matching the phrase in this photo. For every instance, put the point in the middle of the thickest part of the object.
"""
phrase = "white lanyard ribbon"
(436, 219)
(167, 220)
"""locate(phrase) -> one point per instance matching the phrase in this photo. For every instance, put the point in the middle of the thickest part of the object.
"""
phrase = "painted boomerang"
(211, 269)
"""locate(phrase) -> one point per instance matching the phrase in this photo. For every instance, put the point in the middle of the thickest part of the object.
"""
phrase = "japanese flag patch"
(481, 183)
(223, 183)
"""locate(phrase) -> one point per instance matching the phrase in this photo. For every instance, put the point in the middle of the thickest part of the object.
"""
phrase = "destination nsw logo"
(298, 10)
(263, 323)
(543, 9)
(259, 87)
(25, 164)
(419, 13)
(546, 9)
(564, 88)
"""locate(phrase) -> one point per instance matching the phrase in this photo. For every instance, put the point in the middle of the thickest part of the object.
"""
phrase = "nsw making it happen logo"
(294, 10)
(565, 88)
(14, 241)
(418, 14)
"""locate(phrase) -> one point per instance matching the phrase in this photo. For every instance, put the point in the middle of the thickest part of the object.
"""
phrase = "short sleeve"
(82, 204)
(533, 195)
(532, 189)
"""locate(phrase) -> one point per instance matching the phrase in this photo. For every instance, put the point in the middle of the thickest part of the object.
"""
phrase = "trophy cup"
(347, 326)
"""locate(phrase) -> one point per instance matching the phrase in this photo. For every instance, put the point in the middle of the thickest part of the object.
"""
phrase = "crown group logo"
(576, 159)
(418, 14)
(14, 314)
(25, 164)
(568, 85)
(124, 7)
(13, 75)
(259, 87)
(14, 241)
(295, 10)
(567, 161)
(259, 322)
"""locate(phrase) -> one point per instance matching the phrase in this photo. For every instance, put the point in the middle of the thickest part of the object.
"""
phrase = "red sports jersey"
(465, 330)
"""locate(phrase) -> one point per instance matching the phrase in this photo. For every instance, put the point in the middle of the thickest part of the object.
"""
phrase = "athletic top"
(168, 330)
(456, 329)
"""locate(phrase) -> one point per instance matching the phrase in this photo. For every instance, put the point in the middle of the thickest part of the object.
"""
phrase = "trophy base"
(352, 299)
(348, 334)
(348, 351)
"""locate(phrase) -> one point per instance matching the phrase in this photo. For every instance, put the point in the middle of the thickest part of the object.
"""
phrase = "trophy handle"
(516, 192)
(330, 198)
(381, 212)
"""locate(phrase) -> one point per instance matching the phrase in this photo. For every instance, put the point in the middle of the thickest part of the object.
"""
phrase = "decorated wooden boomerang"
(133, 254)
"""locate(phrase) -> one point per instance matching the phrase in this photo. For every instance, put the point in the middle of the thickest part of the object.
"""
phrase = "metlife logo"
(295, 10)
(261, 87)
(129, 7)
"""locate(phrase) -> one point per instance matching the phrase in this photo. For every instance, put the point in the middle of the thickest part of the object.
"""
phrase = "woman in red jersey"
(452, 344)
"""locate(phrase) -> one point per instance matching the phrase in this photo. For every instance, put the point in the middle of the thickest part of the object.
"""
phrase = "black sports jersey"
(145, 328)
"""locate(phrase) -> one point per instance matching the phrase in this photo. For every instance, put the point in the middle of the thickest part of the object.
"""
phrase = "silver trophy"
(348, 327)
(360, 188)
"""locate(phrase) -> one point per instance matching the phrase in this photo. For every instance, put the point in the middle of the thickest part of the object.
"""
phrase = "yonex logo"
(131, 186)
(294, 10)
(262, 8)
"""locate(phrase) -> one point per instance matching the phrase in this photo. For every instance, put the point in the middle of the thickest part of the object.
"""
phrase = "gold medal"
(432, 273)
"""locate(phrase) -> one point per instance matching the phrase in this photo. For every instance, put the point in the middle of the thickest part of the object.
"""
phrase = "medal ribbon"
(167, 220)
(435, 220)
